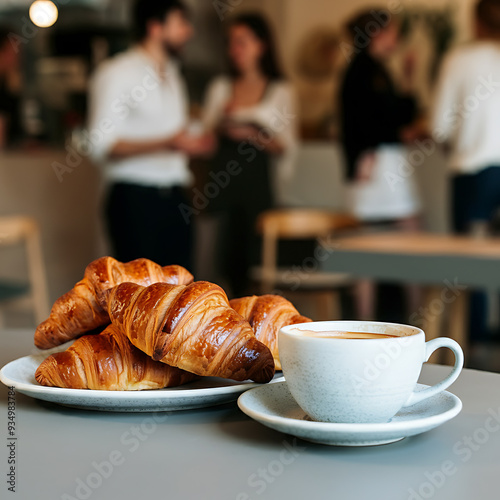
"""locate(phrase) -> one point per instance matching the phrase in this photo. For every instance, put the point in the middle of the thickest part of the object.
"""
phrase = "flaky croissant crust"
(108, 361)
(267, 314)
(191, 327)
(79, 311)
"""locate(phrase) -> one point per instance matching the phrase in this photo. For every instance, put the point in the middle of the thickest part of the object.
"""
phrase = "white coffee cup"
(349, 380)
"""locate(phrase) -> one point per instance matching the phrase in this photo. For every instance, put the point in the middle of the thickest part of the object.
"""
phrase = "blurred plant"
(440, 25)
(317, 54)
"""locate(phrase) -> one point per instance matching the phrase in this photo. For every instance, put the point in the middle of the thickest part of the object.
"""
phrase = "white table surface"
(219, 453)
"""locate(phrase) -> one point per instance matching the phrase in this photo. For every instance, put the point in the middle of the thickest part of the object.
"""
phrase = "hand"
(365, 166)
(240, 133)
(194, 145)
(3, 132)
(409, 68)
(417, 130)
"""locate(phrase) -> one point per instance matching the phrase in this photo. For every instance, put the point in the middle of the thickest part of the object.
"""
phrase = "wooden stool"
(441, 309)
(302, 224)
(24, 230)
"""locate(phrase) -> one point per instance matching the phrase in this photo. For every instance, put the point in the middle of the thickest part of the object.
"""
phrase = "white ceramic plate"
(274, 407)
(209, 391)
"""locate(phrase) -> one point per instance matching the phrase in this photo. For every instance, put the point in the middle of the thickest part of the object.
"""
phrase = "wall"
(68, 213)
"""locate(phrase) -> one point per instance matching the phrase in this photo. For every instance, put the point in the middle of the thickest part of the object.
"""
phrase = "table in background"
(449, 266)
(220, 454)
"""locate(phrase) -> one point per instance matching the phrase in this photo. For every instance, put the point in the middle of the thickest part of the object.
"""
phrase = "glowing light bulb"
(43, 13)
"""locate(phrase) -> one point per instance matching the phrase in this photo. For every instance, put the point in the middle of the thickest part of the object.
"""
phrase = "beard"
(172, 50)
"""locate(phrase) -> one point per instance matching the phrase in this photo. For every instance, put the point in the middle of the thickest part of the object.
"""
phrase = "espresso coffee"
(344, 335)
(360, 380)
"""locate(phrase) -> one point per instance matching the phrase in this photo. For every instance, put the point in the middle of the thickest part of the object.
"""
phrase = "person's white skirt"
(391, 192)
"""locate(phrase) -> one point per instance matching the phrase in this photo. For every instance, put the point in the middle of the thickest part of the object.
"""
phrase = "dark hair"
(488, 14)
(368, 23)
(146, 11)
(259, 26)
(5, 34)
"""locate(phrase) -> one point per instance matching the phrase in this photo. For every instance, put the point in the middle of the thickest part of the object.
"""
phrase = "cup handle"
(430, 347)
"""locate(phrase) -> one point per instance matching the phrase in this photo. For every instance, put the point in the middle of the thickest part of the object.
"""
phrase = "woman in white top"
(252, 113)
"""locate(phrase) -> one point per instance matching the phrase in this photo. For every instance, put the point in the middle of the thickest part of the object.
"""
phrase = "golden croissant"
(191, 327)
(78, 311)
(108, 361)
(267, 314)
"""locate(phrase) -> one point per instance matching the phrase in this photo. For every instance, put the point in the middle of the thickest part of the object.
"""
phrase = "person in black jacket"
(377, 118)
(10, 122)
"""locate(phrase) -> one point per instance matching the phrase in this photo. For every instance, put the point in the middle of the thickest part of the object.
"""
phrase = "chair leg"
(457, 326)
(327, 305)
(336, 306)
(37, 276)
(432, 322)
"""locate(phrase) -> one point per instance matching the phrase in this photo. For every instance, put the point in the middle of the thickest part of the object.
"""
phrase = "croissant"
(267, 314)
(78, 311)
(109, 362)
(191, 327)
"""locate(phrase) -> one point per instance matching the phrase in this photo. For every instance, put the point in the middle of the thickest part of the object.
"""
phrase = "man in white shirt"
(139, 110)
(467, 118)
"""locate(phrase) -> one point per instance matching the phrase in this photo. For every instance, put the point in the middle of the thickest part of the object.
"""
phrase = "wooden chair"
(18, 230)
(302, 224)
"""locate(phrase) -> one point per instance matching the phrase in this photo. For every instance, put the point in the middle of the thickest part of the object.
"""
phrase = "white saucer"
(274, 407)
(208, 391)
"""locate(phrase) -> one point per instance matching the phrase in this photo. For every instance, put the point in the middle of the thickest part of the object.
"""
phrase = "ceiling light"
(43, 13)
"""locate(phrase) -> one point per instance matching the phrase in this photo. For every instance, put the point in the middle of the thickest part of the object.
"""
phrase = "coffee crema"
(344, 335)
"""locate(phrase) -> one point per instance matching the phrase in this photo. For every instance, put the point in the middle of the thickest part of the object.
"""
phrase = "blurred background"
(49, 108)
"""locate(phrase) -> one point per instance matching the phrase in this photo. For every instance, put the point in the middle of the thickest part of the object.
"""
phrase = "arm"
(213, 105)
(443, 119)
(283, 122)
(270, 143)
(278, 118)
(273, 144)
(125, 149)
(107, 114)
(372, 114)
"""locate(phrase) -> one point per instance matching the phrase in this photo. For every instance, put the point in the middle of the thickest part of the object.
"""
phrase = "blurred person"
(10, 87)
(252, 111)
(138, 118)
(470, 78)
(376, 120)
(466, 118)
